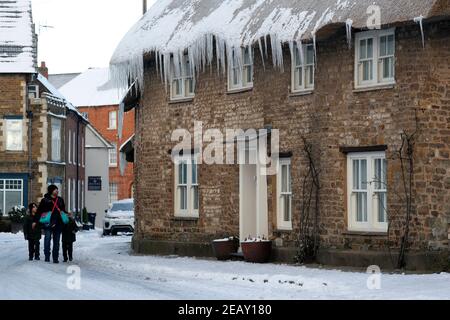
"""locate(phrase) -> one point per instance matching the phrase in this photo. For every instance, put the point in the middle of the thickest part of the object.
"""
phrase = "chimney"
(43, 70)
(144, 6)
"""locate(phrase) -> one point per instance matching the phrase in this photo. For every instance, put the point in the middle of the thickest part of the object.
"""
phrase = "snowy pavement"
(110, 271)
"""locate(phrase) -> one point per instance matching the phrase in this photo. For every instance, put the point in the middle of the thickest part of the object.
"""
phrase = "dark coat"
(28, 231)
(46, 205)
(69, 230)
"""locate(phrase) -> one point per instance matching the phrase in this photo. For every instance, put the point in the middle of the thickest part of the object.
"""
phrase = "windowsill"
(113, 166)
(184, 218)
(181, 100)
(365, 233)
(301, 93)
(58, 163)
(15, 151)
(239, 90)
(111, 129)
(384, 86)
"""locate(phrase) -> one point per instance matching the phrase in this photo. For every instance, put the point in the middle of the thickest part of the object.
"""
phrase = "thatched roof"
(17, 38)
(172, 26)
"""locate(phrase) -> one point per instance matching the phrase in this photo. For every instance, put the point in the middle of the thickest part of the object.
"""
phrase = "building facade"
(363, 121)
(94, 96)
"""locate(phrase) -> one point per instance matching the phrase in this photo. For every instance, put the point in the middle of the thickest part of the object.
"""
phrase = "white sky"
(85, 32)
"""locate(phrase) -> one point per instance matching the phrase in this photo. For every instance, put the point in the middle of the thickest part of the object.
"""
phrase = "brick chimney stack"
(43, 70)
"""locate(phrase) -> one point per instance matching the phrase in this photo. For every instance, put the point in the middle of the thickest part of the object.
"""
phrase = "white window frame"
(110, 189)
(69, 193)
(69, 149)
(74, 148)
(113, 164)
(184, 78)
(112, 123)
(283, 224)
(56, 139)
(372, 224)
(190, 211)
(377, 59)
(242, 81)
(295, 86)
(9, 131)
(4, 191)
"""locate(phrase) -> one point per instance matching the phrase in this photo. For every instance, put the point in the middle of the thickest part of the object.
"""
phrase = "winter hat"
(51, 188)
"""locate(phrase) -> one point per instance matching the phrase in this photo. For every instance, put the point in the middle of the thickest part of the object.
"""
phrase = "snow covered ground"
(109, 271)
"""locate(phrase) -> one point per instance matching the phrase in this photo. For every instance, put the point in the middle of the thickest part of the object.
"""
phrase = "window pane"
(194, 172)
(2, 208)
(247, 59)
(363, 174)
(298, 77)
(284, 178)
(183, 197)
(363, 49)
(390, 45)
(182, 173)
(12, 199)
(14, 135)
(361, 207)
(383, 44)
(286, 207)
(298, 59)
(369, 48)
(195, 197)
(309, 75)
(367, 70)
(381, 198)
(248, 75)
(309, 55)
(388, 68)
(356, 184)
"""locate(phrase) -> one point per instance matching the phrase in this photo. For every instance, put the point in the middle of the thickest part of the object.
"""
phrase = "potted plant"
(17, 216)
(224, 248)
(257, 250)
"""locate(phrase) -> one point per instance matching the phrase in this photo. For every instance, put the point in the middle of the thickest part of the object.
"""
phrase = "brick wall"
(334, 115)
(99, 118)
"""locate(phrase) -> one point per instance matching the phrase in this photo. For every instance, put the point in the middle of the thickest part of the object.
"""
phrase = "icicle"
(419, 20)
(300, 51)
(315, 48)
(277, 52)
(348, 27)
(262, 53)
(121, 116)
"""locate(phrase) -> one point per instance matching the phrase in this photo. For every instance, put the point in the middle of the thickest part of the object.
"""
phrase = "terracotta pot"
(224, 249)
(257, 252)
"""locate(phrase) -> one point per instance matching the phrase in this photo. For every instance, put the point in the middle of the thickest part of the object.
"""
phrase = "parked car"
(119, 218)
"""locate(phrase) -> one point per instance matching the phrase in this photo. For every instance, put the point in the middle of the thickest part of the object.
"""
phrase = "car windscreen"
(122, 207)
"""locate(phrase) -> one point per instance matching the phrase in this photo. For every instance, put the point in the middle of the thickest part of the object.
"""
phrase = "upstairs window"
(56, 140)
(303, 65)
(14, 134)
(186, 186)
(112, 120)
(240, 75)
(113, 156)
(367, 185)
(284, 195)
(375, 58)
(183, 85)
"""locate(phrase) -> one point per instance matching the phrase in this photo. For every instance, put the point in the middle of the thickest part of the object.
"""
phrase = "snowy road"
(108, 271)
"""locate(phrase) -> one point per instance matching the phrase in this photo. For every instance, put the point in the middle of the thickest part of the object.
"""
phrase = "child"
(68, 238)
(32, 232)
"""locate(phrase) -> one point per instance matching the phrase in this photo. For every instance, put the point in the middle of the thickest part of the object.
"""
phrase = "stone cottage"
(359, 94)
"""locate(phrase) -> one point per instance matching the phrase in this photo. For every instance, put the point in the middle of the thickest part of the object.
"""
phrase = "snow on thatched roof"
(171, 27)
(17, 39)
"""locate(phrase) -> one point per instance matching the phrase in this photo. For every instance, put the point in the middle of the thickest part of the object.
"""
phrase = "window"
(82, 151)
(69, 151)
(85, 115)
(113, 156)
(11, 194)
(367, 185)
(303, 66)
(74, 148)
(72, 205)
(33, 91)
(113, 192)
(375, 58)
(186, 186)
(14, 134)
(183, 85)
(240, 73)
(284, 195)
(112, 120)
(56, 139)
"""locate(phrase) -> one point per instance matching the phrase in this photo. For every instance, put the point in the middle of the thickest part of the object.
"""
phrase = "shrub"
(17, 214)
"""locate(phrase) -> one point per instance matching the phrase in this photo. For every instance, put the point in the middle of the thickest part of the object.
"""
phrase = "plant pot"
(224, 248)
(257, 251)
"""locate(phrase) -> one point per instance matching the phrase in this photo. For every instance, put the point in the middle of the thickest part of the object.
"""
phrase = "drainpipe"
(77, 161)
(29, 113)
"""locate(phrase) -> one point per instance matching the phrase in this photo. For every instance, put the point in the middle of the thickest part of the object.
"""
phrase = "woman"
(54, 204)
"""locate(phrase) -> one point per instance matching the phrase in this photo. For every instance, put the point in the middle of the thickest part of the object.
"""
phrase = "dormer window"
(303, 64)
(182, 85)
(240, 75)
(375, 58)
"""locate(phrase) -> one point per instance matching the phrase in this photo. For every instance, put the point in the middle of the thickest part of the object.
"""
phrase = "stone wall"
(333, 116)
